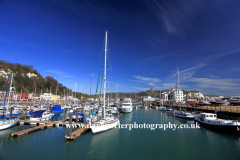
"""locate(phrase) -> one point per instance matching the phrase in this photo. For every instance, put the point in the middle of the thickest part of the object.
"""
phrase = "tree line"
(37, 84)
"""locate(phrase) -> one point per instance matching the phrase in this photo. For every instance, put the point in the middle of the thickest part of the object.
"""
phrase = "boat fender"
(238, 129)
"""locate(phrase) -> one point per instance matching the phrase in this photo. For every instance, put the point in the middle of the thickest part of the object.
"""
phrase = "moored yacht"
(210, 120)
(184, 114)
(106, 122)
(170, 111)
(127, 106)
(161, 108)
(41, 115)
(76, 118)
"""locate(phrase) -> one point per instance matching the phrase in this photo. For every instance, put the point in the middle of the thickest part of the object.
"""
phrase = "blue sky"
(148, 40)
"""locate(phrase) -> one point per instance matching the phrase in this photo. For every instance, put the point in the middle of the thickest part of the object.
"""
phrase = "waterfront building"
(46, 96)
(175, 96)
(22, 97)
(55, 97)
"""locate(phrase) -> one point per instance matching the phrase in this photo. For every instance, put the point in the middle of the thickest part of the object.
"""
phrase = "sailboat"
(4, 124)
(180, 113)
(107, 121)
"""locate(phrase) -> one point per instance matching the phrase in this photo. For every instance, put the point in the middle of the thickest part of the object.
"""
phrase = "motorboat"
(41, 115)
(76, 118)
(184, 114)
(211, 121)
(127, 106)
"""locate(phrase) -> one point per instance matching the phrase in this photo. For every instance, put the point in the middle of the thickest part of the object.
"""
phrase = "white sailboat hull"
(101, 128)
(8, 124)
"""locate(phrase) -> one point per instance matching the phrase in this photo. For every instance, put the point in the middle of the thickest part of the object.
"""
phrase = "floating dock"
(17, 134)
(77, 133)
(46, 124)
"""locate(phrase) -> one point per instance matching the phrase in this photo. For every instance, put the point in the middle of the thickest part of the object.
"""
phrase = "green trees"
(26, 84)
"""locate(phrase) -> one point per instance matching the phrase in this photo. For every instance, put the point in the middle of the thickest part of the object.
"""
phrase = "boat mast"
(64, 97)
(105, 66)
(81, 90)
(75, 91)
(178, 90)
(90, 90)
(10, 91)
(15, 91)
(160, 98)
(5, 95)
(116, 92)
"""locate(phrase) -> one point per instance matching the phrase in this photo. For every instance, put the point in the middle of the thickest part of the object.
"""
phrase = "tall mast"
(90, 89)
(160, 97)
(10, 91)
(105, 69)
(15, 93)
(6, 94)
(75, 87)
(178, 90)
(116, 93)
(81, 91)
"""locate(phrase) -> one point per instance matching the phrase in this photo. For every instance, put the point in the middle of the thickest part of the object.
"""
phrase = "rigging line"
(15, 90)
(110, 67)
(101, 90)
(6, 94)
(98, 77)
(99, 74)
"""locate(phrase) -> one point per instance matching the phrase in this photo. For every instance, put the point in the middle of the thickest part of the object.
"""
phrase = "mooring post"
(10, 115)
(70, 123)
(76, 115)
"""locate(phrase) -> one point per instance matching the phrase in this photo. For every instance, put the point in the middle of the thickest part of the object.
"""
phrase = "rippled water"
(123, 143)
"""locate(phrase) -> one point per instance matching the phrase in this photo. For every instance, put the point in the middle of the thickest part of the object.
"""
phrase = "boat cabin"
(210, 116)
(38, 114)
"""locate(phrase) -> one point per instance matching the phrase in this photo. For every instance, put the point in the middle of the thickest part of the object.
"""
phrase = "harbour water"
(119, 143)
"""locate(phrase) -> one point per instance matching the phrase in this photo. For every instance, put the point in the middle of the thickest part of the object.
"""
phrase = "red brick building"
(22, 97)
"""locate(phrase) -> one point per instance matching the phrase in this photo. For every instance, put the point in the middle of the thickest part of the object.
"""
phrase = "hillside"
(25, 76)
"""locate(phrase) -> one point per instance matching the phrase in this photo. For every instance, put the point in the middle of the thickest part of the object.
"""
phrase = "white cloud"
(221, 84)
(213, 77)
(184, 75)
(176, 16)
(149, 81)
(59, 73)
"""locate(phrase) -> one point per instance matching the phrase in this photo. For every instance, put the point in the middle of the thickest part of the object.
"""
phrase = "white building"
(164, 96)
(46, 96)
(175, 96)
(149, 99)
